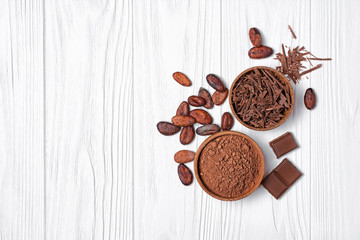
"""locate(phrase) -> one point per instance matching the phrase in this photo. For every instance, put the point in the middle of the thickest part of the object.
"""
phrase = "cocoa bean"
(206, 95)
(215, 82)
(219, 97)
(184, 156)
(227, 121)
(181, 79)
(183, 109)
(309, 99)
(196, 101)
(183, 121)
(207, 129)
(187, 134)
(260, 52)
(201, 116)
(185, 174)
(255, 37)
(167, 128)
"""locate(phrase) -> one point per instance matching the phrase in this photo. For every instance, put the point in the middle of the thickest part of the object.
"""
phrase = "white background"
(83, 84)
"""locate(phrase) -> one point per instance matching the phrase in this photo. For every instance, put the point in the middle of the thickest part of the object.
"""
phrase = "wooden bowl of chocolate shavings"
(229, 165)
(261, 98)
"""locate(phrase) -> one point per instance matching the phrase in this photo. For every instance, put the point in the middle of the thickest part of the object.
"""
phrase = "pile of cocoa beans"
(185, 119)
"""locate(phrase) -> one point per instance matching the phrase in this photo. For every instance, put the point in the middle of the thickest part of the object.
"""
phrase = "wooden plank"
(171, 36)
(21, 120)
(334, 122)
(89, 120)
(260, 216)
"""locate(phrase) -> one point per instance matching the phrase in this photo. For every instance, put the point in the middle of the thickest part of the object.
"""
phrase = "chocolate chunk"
(288, 172)
(281, 178)
(274, 185)
(283, 144)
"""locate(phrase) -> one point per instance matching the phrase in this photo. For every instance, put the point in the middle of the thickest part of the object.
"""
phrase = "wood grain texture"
(335, 131)
(89, 109)
(22, 213)
(171, 36)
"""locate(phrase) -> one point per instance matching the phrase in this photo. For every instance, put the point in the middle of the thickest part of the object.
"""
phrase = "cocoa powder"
(230, 165)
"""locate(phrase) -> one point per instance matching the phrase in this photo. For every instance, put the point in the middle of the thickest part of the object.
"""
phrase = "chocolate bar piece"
(287, 172)
(283, 144)
(281, 178)
(274, 185)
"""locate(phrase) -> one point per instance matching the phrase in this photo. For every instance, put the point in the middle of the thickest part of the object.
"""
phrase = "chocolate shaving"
(308, 59)
(260, 98)
(292, 32)
(320, 59)
(291, 63)
(311, 69)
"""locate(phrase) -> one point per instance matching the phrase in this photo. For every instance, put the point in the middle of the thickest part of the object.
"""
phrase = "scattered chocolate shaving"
(291, 62)
(308, 59)
(292, 32)
(260, 98)
(311, 69)
(320, 59)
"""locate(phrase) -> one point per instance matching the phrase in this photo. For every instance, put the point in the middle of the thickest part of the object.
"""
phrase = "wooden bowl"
(260, 168)
(283, 79)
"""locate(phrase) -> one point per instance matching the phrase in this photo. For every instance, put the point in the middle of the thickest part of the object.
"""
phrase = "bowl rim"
(283, 78)
(206, 142)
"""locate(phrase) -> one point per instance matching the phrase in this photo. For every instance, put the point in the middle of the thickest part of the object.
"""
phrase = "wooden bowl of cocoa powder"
(261, 98)
(229, 165)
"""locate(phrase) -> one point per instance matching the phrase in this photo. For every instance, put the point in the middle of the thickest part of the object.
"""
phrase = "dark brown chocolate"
(260, 99)
(292, 32)
(287, 172)
(291, 64)
(281, 178)
(283, 144)
(274, 185)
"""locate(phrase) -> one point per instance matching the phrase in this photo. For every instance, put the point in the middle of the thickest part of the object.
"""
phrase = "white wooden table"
(83, 84)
